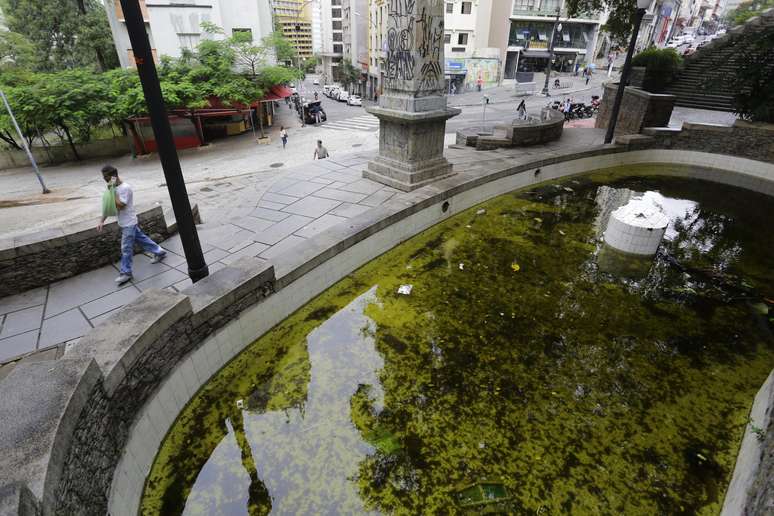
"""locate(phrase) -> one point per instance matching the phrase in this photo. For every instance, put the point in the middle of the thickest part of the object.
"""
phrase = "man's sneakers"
(158, 258)
(123, 278)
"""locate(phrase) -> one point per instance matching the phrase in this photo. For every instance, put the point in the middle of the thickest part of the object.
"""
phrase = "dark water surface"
(522, 357)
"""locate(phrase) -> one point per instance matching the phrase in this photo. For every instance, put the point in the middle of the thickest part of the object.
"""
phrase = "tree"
(15, 51)
(620, 19)
(284, 51)
(64, 33)
(747, 10)
(348, 74)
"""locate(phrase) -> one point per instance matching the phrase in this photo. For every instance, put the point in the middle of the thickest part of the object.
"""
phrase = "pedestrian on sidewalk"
(127, 221)
(320, 152)
(521, 110)
(588, 76)
(566, 110)
(283, 136)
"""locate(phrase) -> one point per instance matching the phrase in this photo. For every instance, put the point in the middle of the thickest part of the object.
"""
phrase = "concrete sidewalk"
(248, 219)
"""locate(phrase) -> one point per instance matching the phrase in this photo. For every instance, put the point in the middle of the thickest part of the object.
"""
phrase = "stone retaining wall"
(117, 146)
(68, 424)
(639, 109)
(41, 258)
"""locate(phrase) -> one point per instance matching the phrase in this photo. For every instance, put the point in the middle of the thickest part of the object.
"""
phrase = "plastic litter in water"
(481, 211)
(516, 267)
(462, 266)
(405, 289)
(240, 404)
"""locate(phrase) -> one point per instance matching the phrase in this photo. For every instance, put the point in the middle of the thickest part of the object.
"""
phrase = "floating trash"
(538, 220)
(516, 267)
(485, 498)
(240, 404)
(562, 232)
(481, 211)
(405, 289)
(462, 266)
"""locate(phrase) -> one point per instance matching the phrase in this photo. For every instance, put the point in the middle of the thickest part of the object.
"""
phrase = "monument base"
(410, 148)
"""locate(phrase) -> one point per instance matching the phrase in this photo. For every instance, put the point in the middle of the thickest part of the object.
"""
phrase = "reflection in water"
(564, 388)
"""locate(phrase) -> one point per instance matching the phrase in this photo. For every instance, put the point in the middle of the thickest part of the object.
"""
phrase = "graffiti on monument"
(400, 42)
(430, 30)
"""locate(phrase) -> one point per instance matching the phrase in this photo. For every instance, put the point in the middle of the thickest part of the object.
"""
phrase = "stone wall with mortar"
(639, 109)
(71, 442)
(743, 139)
(117, 146)
(43, 257)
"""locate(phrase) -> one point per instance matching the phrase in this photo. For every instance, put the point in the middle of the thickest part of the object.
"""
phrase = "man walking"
(130, 230)
(320, 152)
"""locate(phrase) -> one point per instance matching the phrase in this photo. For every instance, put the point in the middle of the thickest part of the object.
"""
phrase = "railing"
(550, 12)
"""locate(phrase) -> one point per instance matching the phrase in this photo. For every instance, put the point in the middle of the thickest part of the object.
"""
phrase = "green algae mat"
(522, 374)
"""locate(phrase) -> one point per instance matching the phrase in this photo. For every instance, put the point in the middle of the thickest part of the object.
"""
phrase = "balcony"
(548, 10)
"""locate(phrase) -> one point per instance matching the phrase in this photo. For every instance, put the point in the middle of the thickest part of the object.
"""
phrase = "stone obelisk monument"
(412, 110)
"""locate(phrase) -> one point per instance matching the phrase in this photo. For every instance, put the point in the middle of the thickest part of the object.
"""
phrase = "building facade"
(294, 19)
(173, 26)
(377, 25)
(332, 36)
(532, 23)
(475, 38)
(355, 39)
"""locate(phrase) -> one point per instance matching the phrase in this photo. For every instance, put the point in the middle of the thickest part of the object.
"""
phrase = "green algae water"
(522, 366)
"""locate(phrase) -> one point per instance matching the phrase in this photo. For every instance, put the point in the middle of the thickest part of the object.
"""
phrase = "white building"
(532, 23)
(317, 30)
(331, 31)
(475, 37)
(173, 26)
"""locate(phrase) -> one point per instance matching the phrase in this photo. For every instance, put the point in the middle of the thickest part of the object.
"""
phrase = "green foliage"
(64, 33)
(16, 51)
(620, 18)
(661, 67)
(310, 65)
(747, 10)
(348, 74)
(284, 51)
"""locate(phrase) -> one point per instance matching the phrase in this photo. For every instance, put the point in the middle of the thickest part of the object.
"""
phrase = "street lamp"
(641, 6)
(556, 26)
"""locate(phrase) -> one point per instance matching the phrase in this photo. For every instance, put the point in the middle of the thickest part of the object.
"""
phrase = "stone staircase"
(701, 84)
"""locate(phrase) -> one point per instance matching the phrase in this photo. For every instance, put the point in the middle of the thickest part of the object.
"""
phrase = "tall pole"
(550, 54)
(146, 68)
(624, 77)
(24, 144)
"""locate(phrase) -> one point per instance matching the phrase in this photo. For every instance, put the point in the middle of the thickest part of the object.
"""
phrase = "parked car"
(316, 82)
(354, 100)
(343, 96)
(334, 94)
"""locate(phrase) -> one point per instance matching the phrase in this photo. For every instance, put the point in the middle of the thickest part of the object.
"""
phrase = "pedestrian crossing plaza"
(366, 123)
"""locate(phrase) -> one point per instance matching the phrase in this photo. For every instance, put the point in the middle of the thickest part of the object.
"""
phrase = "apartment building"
(294, 19)
(531, 25)
(475, 36)
(377, 27)
(332, 35)
(174, 26)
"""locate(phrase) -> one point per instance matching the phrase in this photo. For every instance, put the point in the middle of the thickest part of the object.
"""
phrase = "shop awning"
(277, 92)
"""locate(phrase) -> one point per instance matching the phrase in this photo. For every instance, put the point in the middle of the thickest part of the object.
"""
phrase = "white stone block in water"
(637, 227)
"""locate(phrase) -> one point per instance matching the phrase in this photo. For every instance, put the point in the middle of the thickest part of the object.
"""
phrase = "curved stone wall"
(517, 134)
(79, 434)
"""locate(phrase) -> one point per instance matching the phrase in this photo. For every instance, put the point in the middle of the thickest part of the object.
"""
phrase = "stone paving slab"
(23, 300)
(311, 206)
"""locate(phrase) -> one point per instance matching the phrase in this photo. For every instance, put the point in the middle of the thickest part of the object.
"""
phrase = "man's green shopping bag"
(109, 202)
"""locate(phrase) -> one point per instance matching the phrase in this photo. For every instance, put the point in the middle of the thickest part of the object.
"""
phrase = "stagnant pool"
(522, 370)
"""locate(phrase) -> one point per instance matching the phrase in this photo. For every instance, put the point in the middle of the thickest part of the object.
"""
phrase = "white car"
(354, 100)
(343, 96)
(316, 82)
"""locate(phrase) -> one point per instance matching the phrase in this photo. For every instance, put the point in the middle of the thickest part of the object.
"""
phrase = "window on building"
(447, 38)
(467, 7)
(449, 8)
(248, 32)
(337, 36)
(336, 25)
(335, 13)
(335, 2)
(338, 48)
(458, 49)
(189, 41)
(462, 39)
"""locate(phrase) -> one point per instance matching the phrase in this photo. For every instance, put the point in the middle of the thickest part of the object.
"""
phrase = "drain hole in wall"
(445, 207)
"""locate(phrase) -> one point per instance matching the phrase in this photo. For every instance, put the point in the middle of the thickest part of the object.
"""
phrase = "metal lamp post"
(146, 68)
(24, 144)
(556, 26)
(641, 6)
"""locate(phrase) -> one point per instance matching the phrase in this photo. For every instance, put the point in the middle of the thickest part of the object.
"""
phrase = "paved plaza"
(263, 222)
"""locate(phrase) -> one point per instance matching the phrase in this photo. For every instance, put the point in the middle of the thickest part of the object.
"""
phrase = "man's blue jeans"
(130, 235)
